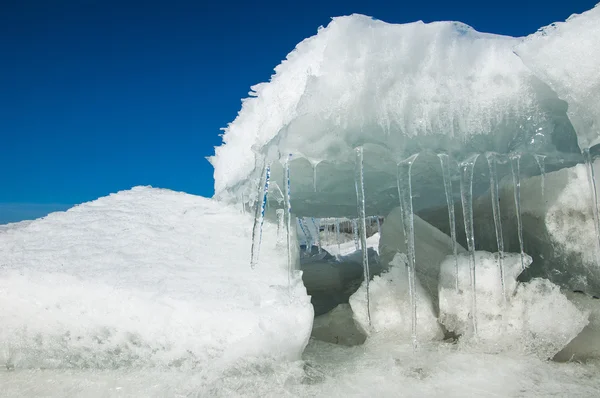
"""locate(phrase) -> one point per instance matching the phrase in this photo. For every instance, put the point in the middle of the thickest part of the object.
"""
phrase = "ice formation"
(396, 90)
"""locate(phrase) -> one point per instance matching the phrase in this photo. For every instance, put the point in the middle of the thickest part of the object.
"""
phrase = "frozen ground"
(383, 370)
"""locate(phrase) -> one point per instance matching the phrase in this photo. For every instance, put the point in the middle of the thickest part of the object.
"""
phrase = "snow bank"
(146, 277)
(537, 318)
(390, 306)
(565, 56)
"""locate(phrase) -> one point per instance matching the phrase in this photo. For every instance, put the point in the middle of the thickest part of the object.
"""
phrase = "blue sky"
(100, 96)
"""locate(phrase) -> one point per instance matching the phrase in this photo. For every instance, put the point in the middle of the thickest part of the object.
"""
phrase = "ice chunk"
(431, 248)
(538, 319)
(391, 310)
(587, 343)
(565, 55)
(145, 278)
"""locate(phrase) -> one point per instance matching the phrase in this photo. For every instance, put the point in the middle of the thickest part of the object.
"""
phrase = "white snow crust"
(149, 278)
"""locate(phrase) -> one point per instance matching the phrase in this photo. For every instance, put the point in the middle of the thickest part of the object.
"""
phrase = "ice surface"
(146, 277)
(431, 248)
(395, 90)
(391, 309)
(538, 319)
(565, 56)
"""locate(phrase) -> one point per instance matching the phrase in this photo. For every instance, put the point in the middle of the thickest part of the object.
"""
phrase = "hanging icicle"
(445, 163)
(359, 184)
(515, 166)
(492, 163)
(337, 238)
(355, 233)
(259, 218)
(466, 192)
(317, 225)
(405, 189)
(288, 220)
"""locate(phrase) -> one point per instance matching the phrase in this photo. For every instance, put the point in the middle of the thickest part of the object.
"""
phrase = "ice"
(391, 307)
(431, 248)
(144, 278)
(360, 204)
(259, 218)
(565, 56)
(492, 163)
(538, 319)
(395, 90)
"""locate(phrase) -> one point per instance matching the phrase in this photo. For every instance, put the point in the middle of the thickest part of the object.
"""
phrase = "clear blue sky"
(100, 96)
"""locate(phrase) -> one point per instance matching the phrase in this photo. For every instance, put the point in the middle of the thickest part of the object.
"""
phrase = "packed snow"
(149, 278)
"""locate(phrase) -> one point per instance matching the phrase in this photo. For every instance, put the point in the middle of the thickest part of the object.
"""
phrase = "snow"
(570, 69)
(149, 278)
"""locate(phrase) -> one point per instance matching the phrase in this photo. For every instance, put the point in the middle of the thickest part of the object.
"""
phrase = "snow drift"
(146, 277)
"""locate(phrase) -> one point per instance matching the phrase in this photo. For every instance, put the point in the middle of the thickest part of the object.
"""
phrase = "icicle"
(466, 192)
(589, 162)
(288, 220)
(445, 163)
(359, 184)
(540, 159)
(515, 167)
(491, 159)
(337, 237)
(280, 225)
(306, 233)
(259, 218)
(355, 232)
(378, 226)
(317, 225)
(243, 204)
(405, 189)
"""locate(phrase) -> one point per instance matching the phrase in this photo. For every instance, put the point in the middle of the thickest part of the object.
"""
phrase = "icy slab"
(431, 248)
(394, 90)
(538, 319)
(146, 277)
(565, 55)
(391, 310)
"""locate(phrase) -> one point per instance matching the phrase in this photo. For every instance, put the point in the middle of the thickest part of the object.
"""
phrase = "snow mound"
(390, 306)
(146, 277)
(565, 56)
(536, 319)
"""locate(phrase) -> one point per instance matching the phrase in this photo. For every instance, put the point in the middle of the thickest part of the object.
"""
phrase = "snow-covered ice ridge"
(146, 278)
(398, 90)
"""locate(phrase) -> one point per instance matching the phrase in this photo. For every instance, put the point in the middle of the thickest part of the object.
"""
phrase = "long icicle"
(306, 233)
(356, 234)
(316, 222)
(492, 163)
(466, 192)
(589, 162)
(288, 218)
(337, 237)
(541, 161)
(259, 218)
(405, 189)
(445, 163)
(378, 226)
(359, 183)
(515, 167)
